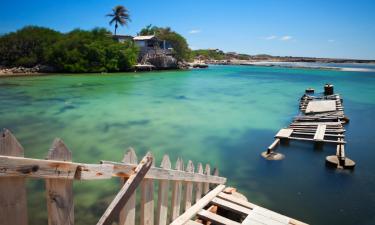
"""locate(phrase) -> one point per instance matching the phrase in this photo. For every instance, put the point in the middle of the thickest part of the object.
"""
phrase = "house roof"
(142, 38)
(122, 36)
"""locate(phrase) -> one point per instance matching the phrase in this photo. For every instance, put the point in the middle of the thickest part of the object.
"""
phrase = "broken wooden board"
(321, 106)
(284, 133)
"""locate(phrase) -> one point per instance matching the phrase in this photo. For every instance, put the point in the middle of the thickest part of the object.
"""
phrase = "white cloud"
(331, 40)
(194, 31)
(286, 38)
(271, 37)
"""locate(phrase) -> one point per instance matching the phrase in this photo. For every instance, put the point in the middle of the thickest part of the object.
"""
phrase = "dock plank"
(284, 133)
(320, 131)
(321, 106)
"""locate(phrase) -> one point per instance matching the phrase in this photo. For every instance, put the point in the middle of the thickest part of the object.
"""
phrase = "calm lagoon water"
(225, 115)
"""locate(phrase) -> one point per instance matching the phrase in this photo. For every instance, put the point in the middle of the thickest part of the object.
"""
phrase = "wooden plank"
(39, 168)
(126, 191)
(162, 210)
(236, 200)
(251, 221)
(262, 219)
(192, 222)
(192, 211)
(127, 213)
(325, 135)
(176, 193)
(123, 170)
(199, 185)
(310, 139)
(320, 131)
(230, 206)
(284, 133)
(270, 215)
(206, 185)
(60, 205)
(188, 192)
(13, 205)
(215, 218)
(147, 201)
(321, 106)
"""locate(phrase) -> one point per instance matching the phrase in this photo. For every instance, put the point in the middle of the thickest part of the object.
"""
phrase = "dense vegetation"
(76, 51)
(178, 43)
(204, 54)
(27, 47)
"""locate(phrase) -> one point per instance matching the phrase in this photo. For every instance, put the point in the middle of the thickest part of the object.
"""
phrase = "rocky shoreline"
(24, 71)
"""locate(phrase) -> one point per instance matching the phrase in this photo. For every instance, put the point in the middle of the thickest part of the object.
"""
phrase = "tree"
(27, 46)
(120, 15)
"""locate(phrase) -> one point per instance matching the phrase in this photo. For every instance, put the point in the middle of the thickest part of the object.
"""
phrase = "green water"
(225, 115)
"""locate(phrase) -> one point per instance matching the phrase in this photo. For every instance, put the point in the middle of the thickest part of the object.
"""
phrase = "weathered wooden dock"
(321, 120)
(198, 196)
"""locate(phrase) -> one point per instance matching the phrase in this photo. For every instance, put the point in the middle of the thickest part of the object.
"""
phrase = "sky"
(319, 28)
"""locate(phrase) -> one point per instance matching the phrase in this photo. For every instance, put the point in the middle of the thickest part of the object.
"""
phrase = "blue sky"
(320, 28)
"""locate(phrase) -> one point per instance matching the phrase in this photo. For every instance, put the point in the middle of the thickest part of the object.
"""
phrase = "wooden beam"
(192, 211)
(60, 205)
(52, 169)
(123, 170)
(126, 191)
(13, 204)
(127, 213)
(231, 206)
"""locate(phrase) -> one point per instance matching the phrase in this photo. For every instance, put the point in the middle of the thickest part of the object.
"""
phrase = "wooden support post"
(127, 214)
(206, 186)
(176, 193)
(13, 205)
(147, 201)
(60, 205)
(126, 191)
(199, 185)
(188, 194)
(162, 210)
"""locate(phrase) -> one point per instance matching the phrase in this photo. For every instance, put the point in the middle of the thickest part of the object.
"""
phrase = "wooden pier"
(321, 120)
(191, 195)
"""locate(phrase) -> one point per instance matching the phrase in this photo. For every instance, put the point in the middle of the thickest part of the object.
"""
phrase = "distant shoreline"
(299, 65)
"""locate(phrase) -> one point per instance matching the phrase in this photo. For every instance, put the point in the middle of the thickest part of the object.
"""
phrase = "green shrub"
(91, 51)
(26, 47)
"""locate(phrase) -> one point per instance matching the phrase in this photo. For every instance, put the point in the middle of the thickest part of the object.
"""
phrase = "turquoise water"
(225, 115)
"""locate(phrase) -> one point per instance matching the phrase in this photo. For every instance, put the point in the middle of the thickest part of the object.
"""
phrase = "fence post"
(127, 214)
(13, 205)
(199, 185)
(59, 192)
(206, 185)
(162, 212)
(147, 201)
(176, 192)
(188, 195)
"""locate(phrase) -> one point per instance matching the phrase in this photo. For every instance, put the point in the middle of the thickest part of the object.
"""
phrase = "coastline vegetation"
(76, 51)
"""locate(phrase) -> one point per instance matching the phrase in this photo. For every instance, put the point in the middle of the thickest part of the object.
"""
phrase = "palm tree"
(120, 15)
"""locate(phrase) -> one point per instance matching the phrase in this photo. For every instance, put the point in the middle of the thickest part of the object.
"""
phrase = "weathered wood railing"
(187, 185)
